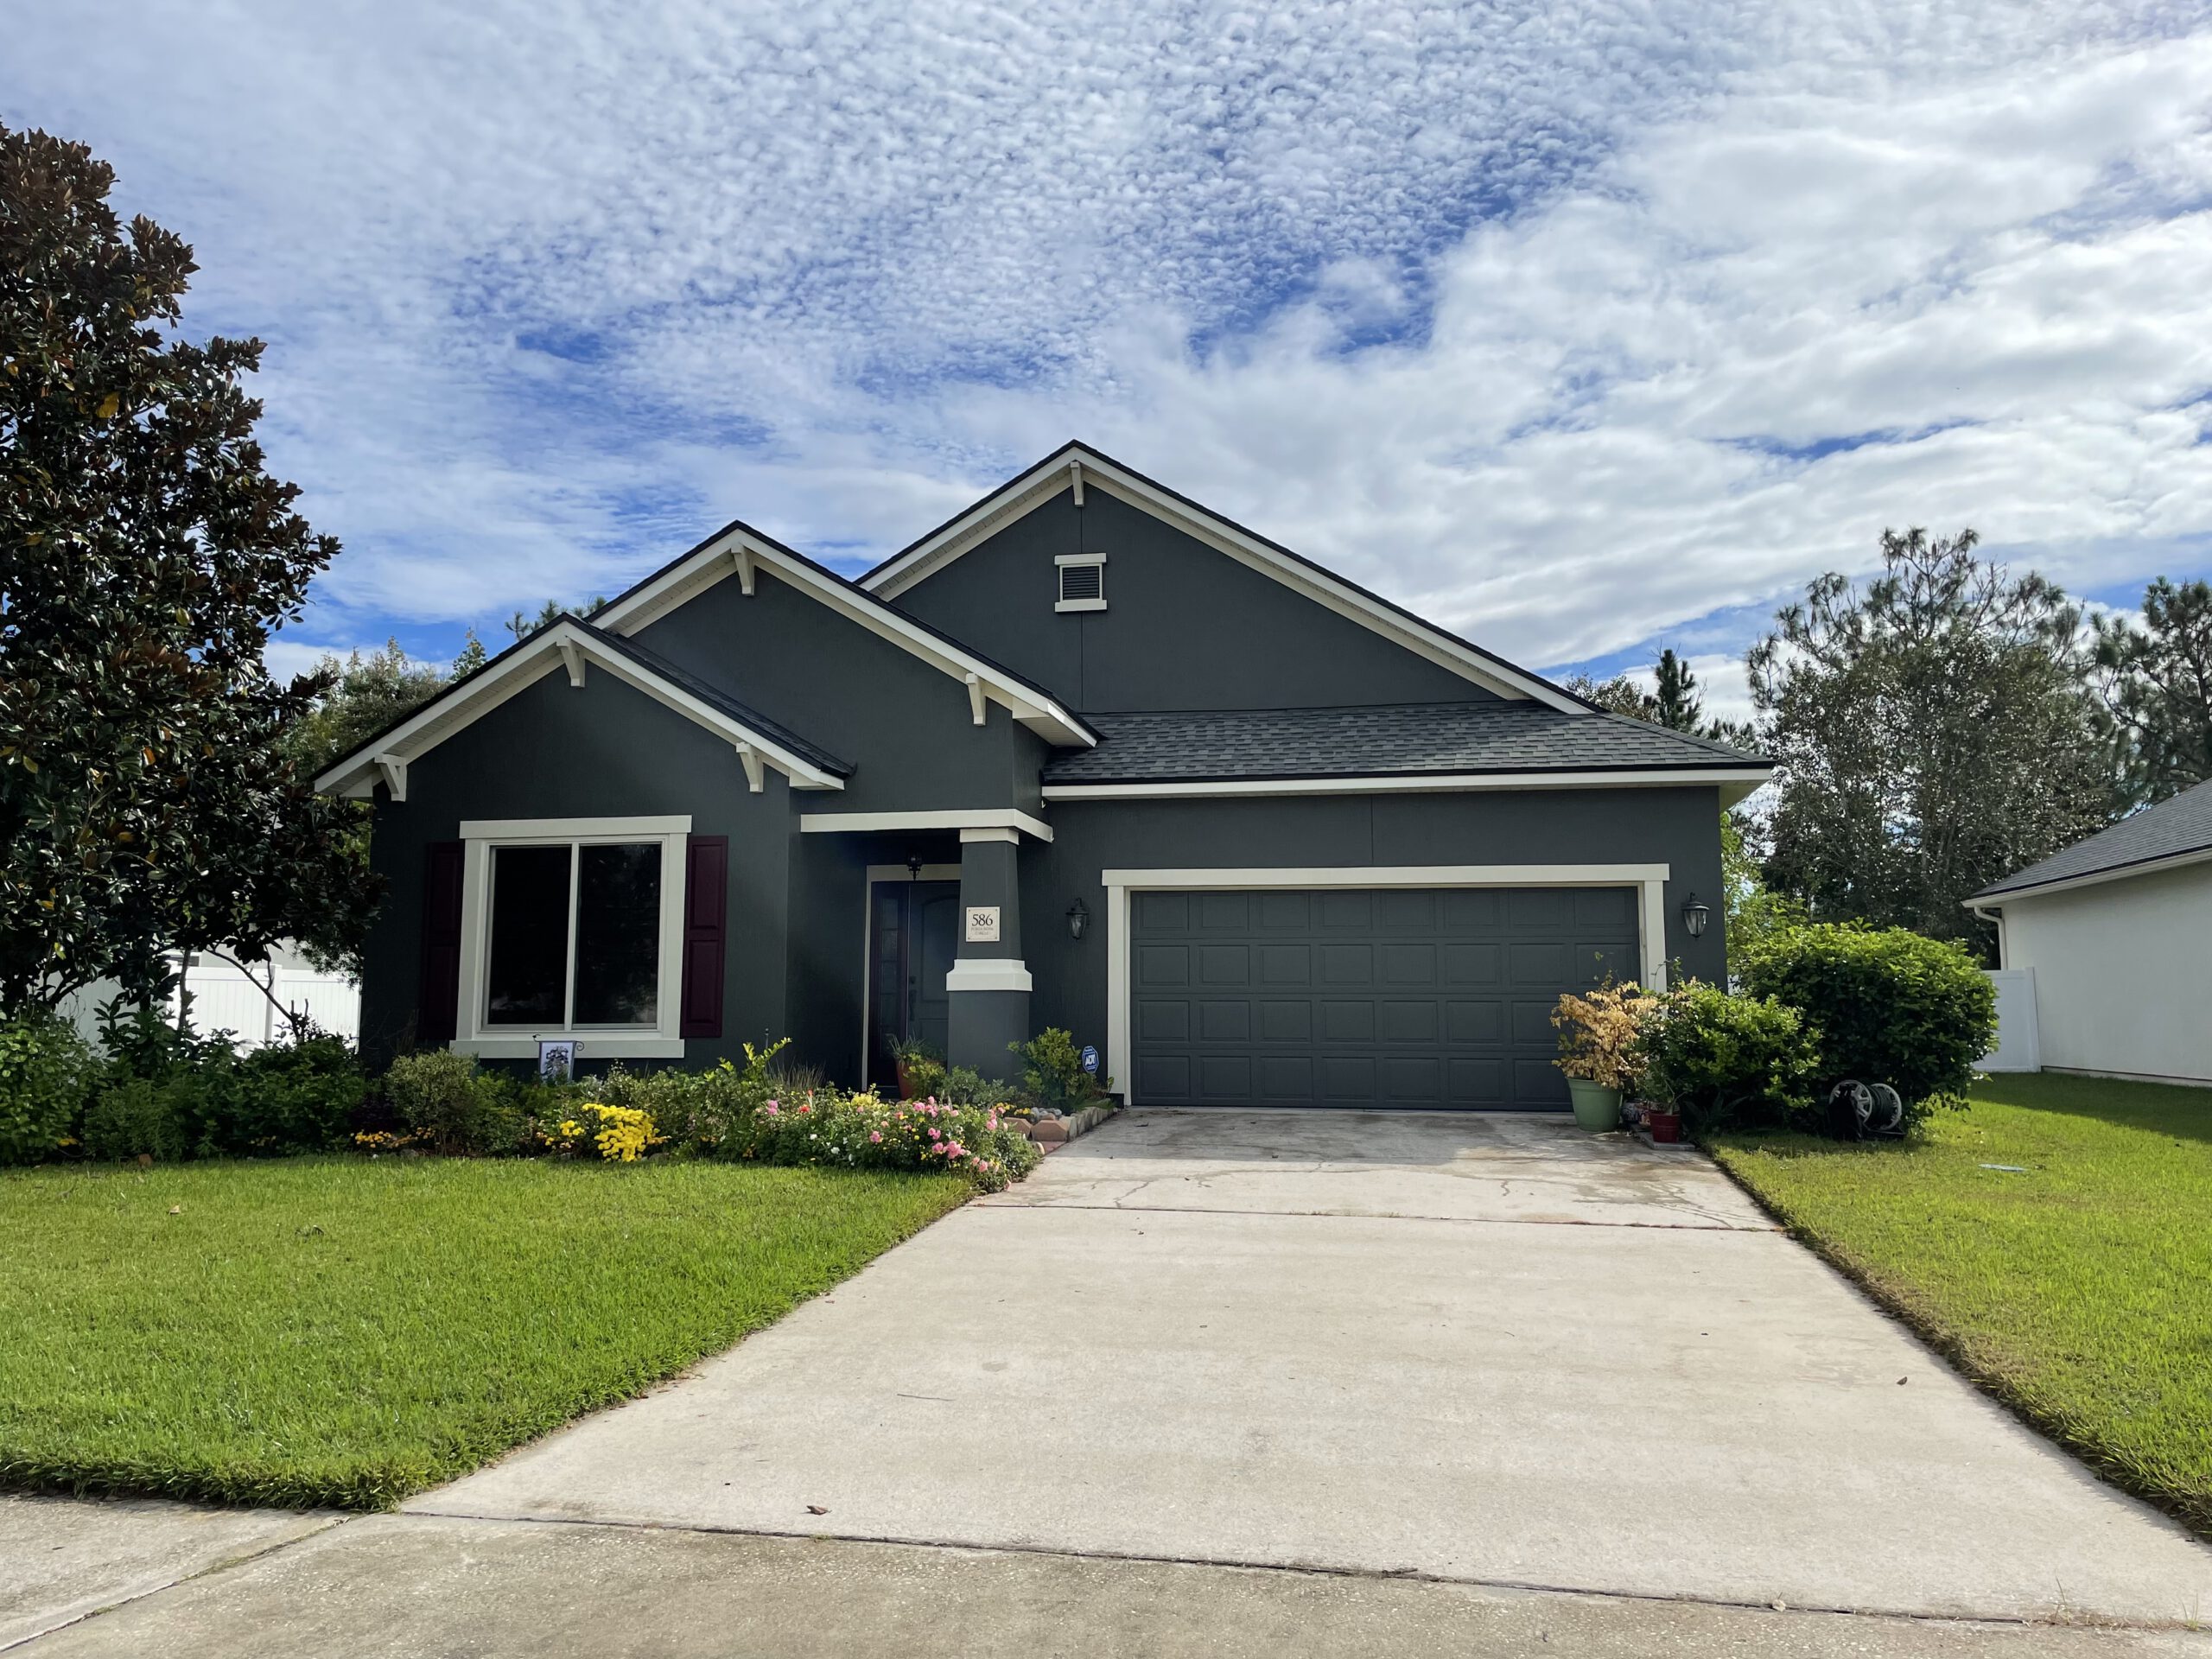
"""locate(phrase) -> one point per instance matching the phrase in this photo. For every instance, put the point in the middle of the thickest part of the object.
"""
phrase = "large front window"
(575, 927)
(575, 935)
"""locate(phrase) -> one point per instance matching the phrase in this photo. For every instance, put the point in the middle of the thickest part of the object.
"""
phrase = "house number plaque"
(982, 924)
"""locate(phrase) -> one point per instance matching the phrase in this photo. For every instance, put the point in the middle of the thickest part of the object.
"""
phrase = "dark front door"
(1349, 998)
(912, 936)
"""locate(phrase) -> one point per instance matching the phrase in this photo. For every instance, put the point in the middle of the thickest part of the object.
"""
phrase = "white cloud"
(1542, 320)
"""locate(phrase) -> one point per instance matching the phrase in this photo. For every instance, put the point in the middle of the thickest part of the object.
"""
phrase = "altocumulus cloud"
(1578, 327)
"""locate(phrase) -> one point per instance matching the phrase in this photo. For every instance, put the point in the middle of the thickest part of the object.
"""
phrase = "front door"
(913, 936)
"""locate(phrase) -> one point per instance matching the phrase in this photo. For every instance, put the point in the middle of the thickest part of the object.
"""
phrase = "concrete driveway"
(1492, 1352)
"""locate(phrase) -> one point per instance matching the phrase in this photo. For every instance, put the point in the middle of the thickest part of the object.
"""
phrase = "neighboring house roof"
(737, 550)
(566, 642)
(1418, 744)
(1075, 465)
(2176, 831)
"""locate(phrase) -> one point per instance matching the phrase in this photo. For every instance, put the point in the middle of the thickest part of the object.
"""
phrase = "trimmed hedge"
(1890, 1005)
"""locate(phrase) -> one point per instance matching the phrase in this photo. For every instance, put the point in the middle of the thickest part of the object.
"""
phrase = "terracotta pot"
(900, 1067)
(1664, 1126)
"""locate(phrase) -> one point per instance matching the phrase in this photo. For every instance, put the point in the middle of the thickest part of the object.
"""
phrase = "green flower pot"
(1595, 1107)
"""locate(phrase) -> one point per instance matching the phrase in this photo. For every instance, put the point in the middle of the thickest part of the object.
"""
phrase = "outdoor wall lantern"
(1694, 917)
(1079, 918)
(914, 868)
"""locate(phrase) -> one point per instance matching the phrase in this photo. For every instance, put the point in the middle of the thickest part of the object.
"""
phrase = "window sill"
(590, 1045)
(1080, 605)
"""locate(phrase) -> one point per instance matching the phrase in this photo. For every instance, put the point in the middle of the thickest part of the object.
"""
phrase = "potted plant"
(909, 1055)
(1598, 1050)
(1664, 1122)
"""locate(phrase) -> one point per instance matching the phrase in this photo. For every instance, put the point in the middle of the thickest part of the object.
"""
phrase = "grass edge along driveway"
(347, 1331)
(2070, 1286)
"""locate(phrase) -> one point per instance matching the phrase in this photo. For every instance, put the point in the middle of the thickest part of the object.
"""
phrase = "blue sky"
(1582, 329)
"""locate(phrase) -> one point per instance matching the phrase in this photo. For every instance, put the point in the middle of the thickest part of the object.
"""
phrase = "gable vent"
(1083, 581)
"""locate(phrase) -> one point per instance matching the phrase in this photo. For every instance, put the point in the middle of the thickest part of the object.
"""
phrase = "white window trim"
(662, 1040)
(1650, 880)
(1062, 562)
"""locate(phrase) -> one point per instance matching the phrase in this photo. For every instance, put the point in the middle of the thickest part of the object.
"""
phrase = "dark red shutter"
(706, 910)
(440, 1006)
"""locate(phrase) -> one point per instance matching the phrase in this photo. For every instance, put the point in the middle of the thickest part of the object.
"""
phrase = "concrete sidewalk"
(424, 1587)
(1494, 1351)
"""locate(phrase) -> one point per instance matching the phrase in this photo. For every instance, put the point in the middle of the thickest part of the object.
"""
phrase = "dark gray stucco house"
(1088, 755)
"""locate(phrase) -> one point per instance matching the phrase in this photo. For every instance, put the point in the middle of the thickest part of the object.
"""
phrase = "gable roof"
(2176, 831)
(1404, 745)
(737, 550)
(1076, 466)
(566, 642)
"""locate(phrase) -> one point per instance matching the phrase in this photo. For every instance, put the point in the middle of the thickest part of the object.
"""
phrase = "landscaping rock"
(1050, 1132)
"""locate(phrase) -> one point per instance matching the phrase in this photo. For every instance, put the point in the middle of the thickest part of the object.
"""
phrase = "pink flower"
(990, 1122)
(933, 1134)
(875, 1135)
(769, 1109)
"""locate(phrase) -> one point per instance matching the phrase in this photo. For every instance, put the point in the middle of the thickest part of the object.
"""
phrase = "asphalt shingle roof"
(2182, 824)
(1394, 740)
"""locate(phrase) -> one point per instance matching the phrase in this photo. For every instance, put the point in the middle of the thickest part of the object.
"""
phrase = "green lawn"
(347, 1331)
(2079, 1291)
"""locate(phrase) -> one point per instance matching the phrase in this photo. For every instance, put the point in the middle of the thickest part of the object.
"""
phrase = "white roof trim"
(738, 551)
(563, 645)
(2091, 879)
(1742, 782)
(837, 823)
(1046, 480)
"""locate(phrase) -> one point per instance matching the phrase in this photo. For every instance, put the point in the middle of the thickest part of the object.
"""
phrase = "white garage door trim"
(1649, 879)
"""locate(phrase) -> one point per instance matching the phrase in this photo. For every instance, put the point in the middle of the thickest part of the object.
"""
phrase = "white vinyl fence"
(2017, 1048)
(224, 999)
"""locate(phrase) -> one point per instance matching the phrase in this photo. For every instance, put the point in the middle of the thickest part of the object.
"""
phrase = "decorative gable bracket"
(393, 771)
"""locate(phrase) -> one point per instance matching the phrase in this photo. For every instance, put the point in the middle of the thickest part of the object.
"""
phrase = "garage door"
(1393, 998)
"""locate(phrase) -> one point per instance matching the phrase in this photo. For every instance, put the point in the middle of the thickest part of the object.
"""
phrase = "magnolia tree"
(146, 802)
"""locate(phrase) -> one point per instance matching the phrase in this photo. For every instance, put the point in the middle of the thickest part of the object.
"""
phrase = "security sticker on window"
(982, 924)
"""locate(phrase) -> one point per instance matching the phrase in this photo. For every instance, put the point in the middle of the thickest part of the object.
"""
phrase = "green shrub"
(1053, 1073)
(1890, 1006)
(287, 1097)
(928, 1077)
(1728, 1061)
(45, 1071)
(697, 1113)
(139, 1117)
(445, 1100)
